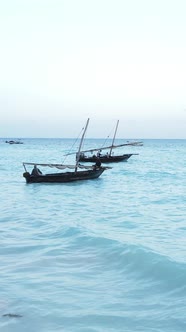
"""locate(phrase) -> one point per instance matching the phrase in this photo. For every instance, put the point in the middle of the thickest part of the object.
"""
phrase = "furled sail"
(109, 147)
(59, 166)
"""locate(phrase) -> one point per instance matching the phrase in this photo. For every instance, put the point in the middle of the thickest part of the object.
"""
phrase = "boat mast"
(114, 138)
(80, 145)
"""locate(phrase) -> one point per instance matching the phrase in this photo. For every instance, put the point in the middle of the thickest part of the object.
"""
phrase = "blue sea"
(100, 255)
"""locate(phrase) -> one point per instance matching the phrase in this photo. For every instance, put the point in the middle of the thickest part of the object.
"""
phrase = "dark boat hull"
(106, 159)
(13, 142)
(64, 177)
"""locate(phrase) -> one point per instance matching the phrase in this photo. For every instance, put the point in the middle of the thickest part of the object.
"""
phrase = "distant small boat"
(14, 142)
(12, 315)
(76, 173)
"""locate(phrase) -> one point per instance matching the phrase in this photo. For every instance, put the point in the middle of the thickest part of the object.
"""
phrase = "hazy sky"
(62, 61)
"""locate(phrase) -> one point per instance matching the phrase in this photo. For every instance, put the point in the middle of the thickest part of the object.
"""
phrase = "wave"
(141, 261)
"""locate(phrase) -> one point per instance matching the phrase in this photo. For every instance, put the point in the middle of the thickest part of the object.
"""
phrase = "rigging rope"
(70, 150)
(107, 138)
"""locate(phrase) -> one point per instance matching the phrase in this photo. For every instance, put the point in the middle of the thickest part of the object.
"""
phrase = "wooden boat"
(108, 157)
(14, 142)
(36, 176)
(78, 171)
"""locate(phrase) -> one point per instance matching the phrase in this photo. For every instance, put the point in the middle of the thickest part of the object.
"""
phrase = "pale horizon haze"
(63, 61)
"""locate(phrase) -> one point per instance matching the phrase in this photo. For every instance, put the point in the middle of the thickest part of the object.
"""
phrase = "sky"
(63, 61)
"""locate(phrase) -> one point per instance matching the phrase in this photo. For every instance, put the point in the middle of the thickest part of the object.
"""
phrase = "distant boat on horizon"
(14, 142)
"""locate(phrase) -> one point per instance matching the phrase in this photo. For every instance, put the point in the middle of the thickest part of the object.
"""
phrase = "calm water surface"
(98, 255)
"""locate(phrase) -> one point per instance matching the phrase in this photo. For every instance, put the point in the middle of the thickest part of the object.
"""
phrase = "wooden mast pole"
(80, 145)
(114, 138)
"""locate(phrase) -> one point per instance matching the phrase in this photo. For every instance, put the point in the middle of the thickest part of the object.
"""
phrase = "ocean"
(100, 255)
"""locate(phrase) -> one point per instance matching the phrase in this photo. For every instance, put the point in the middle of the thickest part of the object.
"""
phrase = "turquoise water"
(95, 256)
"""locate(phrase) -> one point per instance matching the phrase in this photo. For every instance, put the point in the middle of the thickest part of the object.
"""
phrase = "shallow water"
(98, 255)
